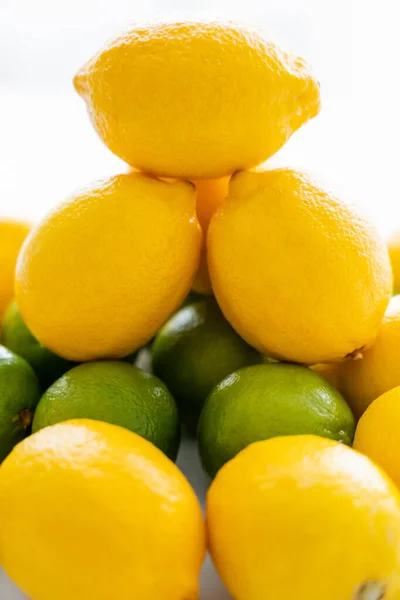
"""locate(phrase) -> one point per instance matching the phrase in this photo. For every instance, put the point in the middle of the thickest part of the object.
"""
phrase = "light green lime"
(118, 393)
(264, 401)
(19, 395)
(17, 337)
(194, 350)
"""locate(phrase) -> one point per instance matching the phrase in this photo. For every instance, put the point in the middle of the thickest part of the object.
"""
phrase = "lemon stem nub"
(371, 590)
(25, 418)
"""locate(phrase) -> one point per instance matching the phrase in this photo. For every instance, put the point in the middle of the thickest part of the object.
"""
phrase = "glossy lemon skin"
(196, 99)
(378, 430)
(103, 271)
(12, 236)
(297, 273)
(110, 516)
(377, 369)
(307, 518)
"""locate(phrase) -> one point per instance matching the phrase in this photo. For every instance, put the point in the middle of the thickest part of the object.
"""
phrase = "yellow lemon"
(297, 273)
(363, 380)
(330, 372)
(101, 273)
(394, 253)
(378, 431)
(196, 99)
(12, 235)
(110, 516)
(305, 518)
(210, 195)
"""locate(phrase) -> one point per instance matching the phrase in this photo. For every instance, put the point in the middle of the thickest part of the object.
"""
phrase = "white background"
(48, 148)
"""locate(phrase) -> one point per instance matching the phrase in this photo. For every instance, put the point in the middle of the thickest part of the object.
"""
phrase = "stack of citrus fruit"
(286, 277)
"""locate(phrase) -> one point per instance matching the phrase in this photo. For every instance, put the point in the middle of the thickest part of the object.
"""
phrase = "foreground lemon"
(12, 235)
(210, 195)
(378, 433)
(100, 274)
(394, 253)
(305, 518)
(109, 517)
(362, 381)
(297, 273)
(196, 99)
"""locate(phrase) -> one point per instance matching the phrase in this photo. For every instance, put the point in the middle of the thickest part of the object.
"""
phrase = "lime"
(117, 393)
(19, 395)
(264, 401)
(194, 350)
(17, 337)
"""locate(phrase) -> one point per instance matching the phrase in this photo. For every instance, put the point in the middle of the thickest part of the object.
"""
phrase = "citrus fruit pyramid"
(204, 288)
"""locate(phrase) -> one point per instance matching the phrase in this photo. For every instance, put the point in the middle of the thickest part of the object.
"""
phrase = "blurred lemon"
(297, 273)
(305, 518)
(12, 235)
(110, 516)
(105, 269)
(196, 99)
(394, 253)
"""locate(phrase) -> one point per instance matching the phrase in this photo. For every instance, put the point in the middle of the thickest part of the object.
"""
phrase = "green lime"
(118, 393)
(19, 395)
(194, 350)
(17, 337)
(264, 401)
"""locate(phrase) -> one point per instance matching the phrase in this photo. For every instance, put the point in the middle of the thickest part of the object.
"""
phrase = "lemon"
(394, 253)
(110, 516)
(117, 393)
(263, 401)
(210, 195)
(330, 372)
(377, 370)
(378, 430)
(194, 350)
(19, 395)
(105, 269)
(297, 273)
(196, 99)
(305, 518)
(17, 337)
(12, 235)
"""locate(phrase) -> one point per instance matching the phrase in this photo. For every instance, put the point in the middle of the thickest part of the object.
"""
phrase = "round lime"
(19, 395)
(194, 350)
(118, 393)
(264, 401)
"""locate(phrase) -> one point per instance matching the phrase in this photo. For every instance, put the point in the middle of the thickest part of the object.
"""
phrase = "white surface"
(211, 586)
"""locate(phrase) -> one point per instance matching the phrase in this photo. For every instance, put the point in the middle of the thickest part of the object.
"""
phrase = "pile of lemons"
(92, 510)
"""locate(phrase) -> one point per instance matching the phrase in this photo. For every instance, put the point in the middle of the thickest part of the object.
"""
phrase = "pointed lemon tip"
(80, 83)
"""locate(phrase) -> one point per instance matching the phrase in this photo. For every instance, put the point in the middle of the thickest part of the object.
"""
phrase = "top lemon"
(196, 99)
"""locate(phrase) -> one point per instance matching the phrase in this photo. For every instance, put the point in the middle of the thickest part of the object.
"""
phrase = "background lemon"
(12, 235)
(16, 336)
(117, 393)
(377, 372)
(394, 253)
(263, 401)
(103, 271)
(19, 395)
(307, 518)
(194, 351)
(378, 431)
(110, 516)
(210, 195)
(196, 99)
(296, 272)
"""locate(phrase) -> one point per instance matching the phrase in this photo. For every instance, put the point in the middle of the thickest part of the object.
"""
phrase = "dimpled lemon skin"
(196, 99)
(12, 235)
(307, 518)
(100, 274)
(297, 273)
(362, 381)
(378, 431)
(110, 517)
(210, 195)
